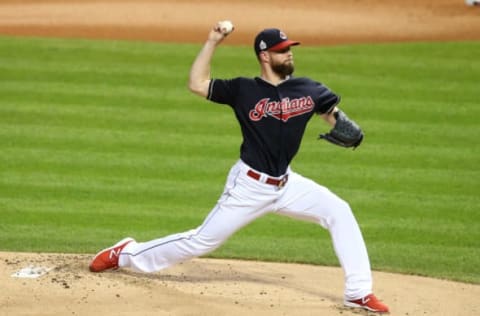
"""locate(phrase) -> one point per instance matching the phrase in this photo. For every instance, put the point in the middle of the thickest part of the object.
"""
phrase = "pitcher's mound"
(212, 287)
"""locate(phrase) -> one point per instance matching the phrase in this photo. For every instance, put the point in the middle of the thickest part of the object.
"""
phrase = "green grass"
(100, 140)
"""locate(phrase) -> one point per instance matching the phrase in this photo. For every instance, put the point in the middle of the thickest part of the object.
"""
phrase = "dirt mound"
(212, 287)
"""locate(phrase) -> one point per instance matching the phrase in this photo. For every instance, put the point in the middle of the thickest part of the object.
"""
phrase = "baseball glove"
(345, 133)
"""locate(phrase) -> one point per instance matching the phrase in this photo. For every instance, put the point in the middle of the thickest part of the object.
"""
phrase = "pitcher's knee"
(344, 206)
(342, 212)
(202, 245)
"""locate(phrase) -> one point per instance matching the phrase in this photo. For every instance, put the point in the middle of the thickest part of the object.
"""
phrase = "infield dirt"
(228, 287)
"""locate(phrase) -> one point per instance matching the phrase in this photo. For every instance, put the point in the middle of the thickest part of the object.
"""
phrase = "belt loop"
(263, 178)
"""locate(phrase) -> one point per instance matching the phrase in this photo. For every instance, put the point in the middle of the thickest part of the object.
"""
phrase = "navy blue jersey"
(272, 118)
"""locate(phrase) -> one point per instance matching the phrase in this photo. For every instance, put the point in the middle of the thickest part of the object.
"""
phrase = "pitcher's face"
(281, 62)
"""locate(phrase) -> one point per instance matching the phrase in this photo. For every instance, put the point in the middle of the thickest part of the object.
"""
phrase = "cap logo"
(262, 45)
(283, 35)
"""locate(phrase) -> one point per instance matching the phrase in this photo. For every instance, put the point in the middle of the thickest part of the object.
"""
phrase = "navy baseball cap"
(272, 40)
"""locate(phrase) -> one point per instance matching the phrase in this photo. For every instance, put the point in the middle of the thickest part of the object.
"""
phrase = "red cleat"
(108, 258)
(369, 302)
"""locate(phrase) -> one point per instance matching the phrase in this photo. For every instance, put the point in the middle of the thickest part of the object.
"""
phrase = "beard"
(283, 69)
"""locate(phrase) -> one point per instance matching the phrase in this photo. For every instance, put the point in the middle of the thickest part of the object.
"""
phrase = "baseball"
(226, 27)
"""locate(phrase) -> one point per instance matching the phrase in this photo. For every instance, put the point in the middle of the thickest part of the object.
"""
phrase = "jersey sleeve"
(326, 100)
(222, 91)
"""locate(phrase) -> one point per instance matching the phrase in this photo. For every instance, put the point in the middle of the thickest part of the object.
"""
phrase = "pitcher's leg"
(235, 209)
(164, 252)
(307, 200)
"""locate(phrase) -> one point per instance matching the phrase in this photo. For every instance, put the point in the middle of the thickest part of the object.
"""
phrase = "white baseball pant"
(244, 199)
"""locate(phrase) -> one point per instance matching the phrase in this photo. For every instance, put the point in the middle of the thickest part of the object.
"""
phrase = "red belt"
(277, 182)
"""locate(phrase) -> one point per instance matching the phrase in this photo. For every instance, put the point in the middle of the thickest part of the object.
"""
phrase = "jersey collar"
(272, 84)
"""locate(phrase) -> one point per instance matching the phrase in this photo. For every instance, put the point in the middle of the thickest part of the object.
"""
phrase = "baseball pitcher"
(273, 110)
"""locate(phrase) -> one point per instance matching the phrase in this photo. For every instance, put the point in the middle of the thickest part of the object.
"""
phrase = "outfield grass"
(100, 140)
